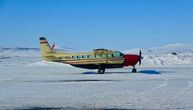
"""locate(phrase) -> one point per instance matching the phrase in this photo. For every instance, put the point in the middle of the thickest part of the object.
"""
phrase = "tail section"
(45, 48)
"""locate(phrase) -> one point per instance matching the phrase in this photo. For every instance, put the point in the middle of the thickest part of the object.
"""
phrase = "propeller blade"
(140, 53)
(139, 62)
(140, 57)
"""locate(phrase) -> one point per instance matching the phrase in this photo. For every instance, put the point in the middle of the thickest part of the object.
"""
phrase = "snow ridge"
(173, 55)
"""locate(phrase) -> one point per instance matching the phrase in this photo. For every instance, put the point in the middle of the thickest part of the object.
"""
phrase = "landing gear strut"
(101, 70)
(134, 70)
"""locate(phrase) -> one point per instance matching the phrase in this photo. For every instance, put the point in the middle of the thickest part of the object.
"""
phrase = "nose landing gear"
(134, 70)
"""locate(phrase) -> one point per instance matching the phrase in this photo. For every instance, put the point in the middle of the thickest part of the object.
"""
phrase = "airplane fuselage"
(97, 59)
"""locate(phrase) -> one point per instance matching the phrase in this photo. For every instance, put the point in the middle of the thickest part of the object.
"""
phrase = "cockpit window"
(117, 54)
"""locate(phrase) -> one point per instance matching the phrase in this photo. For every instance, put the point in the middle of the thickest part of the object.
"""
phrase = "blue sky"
(89, 24)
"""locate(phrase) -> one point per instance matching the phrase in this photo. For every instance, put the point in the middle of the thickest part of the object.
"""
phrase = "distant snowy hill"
(18, 56)
(177, 48)
(166, 56)
(171, 48)
(17, 48)
(26, 56)
(169, 55)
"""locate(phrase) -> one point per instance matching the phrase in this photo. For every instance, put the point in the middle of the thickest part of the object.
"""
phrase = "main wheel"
(101, 70)
(134, 70)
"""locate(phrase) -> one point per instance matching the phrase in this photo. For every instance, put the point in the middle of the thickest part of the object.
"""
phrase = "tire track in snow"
(189, 86)
(7, 80)
(144, 95)
(182, 94)
(165, 83)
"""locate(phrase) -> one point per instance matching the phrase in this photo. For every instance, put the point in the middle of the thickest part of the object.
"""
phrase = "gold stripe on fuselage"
(95, 61)
(75, 58)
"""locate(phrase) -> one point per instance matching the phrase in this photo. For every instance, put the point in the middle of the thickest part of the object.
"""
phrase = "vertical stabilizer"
(45, 48)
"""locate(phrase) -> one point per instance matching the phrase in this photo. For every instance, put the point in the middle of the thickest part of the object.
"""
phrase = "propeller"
(140, 57)
(53, 46)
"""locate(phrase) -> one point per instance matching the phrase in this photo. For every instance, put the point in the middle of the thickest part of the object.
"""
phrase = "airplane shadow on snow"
(67, 108)
(119, 72)
(98, 80)
(149, 72)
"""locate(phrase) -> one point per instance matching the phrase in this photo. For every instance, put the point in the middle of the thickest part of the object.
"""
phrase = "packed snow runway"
(64, 87)
(164, 81)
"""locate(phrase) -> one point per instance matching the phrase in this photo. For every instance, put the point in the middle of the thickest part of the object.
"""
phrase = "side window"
(89, 56)
(109, 55)
(78, 57)
(92, 56)
(74, 57)
(103, 55)
(97, 56)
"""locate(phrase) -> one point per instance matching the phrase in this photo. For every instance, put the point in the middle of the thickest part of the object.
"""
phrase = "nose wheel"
(134, 70)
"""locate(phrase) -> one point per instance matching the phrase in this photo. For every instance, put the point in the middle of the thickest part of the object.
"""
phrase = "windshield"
(117, 54)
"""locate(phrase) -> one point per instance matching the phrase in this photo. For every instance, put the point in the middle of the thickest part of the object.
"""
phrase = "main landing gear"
(101, 70)
(134, 70)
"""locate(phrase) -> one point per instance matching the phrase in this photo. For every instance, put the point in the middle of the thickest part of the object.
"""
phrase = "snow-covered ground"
(61, 87)
(164, 81)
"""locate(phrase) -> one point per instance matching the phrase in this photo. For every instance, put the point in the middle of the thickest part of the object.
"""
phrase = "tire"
(134, 70)
(101, 71)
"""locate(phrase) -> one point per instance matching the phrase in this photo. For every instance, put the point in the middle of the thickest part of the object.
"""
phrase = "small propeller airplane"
(100, 59)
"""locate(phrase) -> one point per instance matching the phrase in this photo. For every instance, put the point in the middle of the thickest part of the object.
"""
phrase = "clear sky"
(89, 24)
